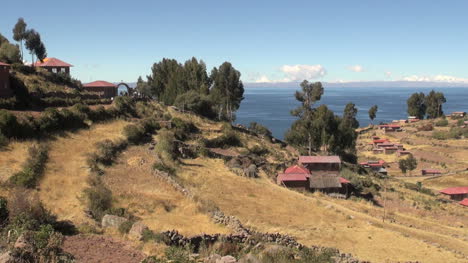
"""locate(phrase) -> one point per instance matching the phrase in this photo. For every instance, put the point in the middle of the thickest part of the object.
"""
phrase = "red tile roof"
(291, 177)
(52, 62)
(99, 83)
(319, 159)
(464, 202)
(296, 169)
(344, 181)
(4, 64)
(455, 190)
(381, 140)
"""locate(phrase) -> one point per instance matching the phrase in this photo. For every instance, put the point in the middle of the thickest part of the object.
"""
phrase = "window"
(54, 70)
(62, 70)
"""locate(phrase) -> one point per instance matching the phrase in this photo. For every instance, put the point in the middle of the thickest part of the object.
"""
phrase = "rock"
(23, 243)
(249, 258)
(112, 221)
(6, 257)
(137, 230)
(212, 259)
(227, 259)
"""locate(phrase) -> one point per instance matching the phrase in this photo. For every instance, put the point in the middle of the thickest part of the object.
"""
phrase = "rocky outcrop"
(137, 230)
(112, 221)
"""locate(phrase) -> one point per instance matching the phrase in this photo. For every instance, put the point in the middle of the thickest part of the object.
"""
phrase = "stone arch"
(129, 89)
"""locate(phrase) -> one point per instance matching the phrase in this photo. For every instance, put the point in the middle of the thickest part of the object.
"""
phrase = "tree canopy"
(19, 33)
(420, 105)
(416, 105)
(373, 112)
(318, 129)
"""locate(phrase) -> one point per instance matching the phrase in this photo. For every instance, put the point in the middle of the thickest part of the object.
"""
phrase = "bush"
(125, 227)
(107, 151)
(228, 139)
(194, 102)
(3, 140)
(258, 150)
(134, 133)
(99, 198)
(33, 168)
(165, 146)
(3, 211)
(425, 127)
(164, 168)
(442, 123)
(125, 106)
(9, 125)
(260, 129)
(183, 129)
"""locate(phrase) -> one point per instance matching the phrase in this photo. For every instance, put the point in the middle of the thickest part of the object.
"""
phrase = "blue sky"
(265, 40)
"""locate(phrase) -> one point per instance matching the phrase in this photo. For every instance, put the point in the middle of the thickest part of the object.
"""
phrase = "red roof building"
(456, 193)
(5, 90)
(464, 202)
(294, 177)
(54, 65)
(321, 165)
(103, 88)
(430, 172)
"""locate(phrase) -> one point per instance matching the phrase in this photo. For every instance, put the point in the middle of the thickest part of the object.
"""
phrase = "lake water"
(271, 106)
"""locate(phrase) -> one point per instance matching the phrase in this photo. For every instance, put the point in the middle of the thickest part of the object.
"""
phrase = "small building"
(390, 150)
(5, 89)
(103, 88)
(413, 120)
(378, 151)
(320, 165)
(54, 65)
(294, 177)
(385, 145)
(456, 193)
(458, 114)
(393, 127)
(403, 153)
(378, 141)
(464, 202)
(376, 166)
(375, 138)
(430, 172)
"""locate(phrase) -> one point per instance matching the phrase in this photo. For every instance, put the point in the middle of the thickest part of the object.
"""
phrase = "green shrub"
(3, 210)
(258, 150)
(125, 105)
(3, 140)
(125, 227)
(33, 168)
(439, 135)
(107, 150)
(164, 168)
(9, 125)
(165, 146)
(442, 123)
(228, 139)
(260, 129)
(195, 102)
(183, 129)
(134, 133)
(98, 197)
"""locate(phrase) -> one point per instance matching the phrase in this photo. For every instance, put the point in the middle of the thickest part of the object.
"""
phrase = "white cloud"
(263, 79)
(436, 78)
(302, 72)
(356, 68)
(388, 74)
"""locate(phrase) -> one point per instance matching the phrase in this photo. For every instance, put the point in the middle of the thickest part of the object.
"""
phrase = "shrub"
(3, 140)
(33, 168)
(9, 125)
(125, 105)
(258, 150)
(164, 168)
(98, 197)
(260, 129)
(125, 227)
(229, 138)
(134, 133)
(194, 102)
(439, 135)
(441, 123)
(3, 210)
(425, 127)
(183, 129)
(107, 151)
(165, 146)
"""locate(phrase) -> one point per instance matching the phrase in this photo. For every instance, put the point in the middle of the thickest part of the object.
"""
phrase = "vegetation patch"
(33, 168)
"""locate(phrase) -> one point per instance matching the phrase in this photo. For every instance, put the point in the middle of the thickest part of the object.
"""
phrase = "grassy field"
(66, 171)
(12, 158)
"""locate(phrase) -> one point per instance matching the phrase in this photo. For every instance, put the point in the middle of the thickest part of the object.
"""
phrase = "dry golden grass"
(66, 172)
(151, 198)
(12, 158)
(317, 220)
(446, 181)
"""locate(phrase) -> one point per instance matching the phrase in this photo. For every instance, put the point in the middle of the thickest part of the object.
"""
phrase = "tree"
(227, 91)
(416, 105)
(19, 33)
(373, 113)
(9, 53)
(311, 93)
(434, 103)
(196, 76)
(408, 164)
(349, 116)
(41, 52)
(33, 41)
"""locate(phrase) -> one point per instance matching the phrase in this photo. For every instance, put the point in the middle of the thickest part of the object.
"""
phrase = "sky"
(267, 41)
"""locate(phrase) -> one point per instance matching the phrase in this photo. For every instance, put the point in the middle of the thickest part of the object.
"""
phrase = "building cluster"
(316, 173)
(376, 166)
(459, 194)
(385, 146)
(53, 65)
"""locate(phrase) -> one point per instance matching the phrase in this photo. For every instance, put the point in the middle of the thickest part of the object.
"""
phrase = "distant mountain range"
(365, 84)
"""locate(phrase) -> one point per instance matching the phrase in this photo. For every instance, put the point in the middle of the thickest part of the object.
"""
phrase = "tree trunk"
(310, 145)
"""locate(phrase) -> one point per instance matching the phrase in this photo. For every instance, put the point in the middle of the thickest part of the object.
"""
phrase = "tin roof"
(296, 169)
(319, 159)
(100, 83)
(464, 202)
(291, 177)
(455, 190)
(52, 62)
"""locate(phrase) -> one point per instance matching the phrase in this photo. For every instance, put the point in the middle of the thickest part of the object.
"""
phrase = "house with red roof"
(54, 65)
(103, 88)
(294, 177)
(5, 90)
(430, 172)
(458, 114)
(321, 165)
(464, 202)
(456, 193)
(376, 166)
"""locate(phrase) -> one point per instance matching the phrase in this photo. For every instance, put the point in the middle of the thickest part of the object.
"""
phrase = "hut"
(320, 165)
(103, 88)
(294, 177)
(403, 153)
(456, 193)
(430, 172)
(5, 90)
(458, 114)
(54, 65)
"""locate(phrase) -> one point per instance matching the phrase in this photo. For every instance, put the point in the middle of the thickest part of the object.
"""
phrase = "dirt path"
(94, 249)
(66, 171)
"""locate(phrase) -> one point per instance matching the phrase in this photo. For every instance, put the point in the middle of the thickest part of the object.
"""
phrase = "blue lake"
(271, 106)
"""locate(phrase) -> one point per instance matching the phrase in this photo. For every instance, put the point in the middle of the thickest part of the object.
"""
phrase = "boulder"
(6, 257)
(112, 221)
(137, 230)
(227, 259)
